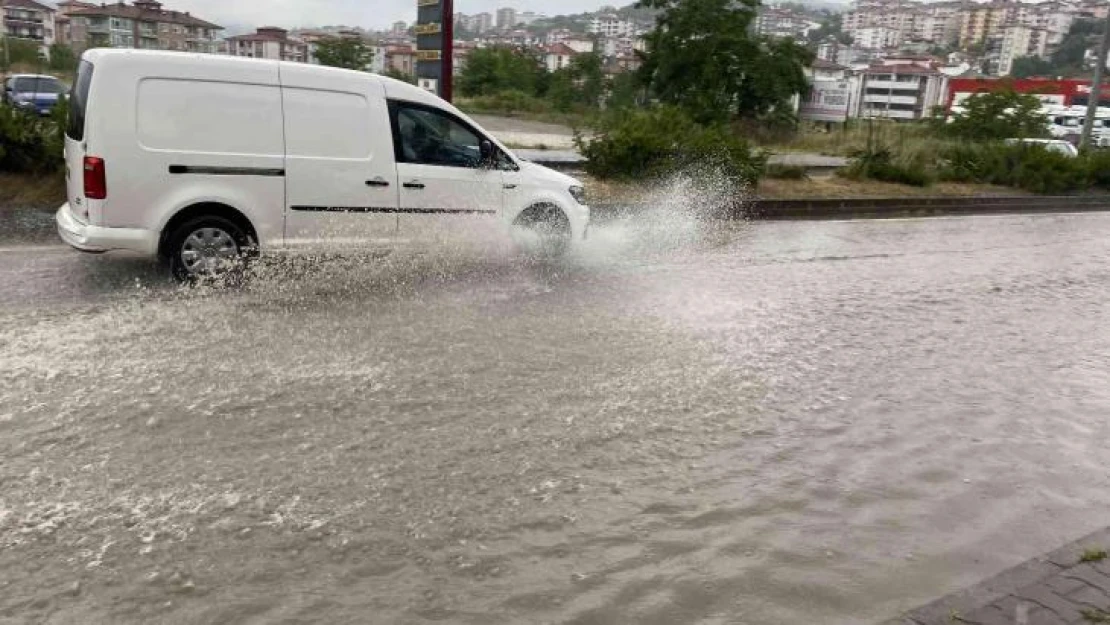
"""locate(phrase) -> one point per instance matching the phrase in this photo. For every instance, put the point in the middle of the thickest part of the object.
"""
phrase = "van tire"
(222, 245)
(552, 228)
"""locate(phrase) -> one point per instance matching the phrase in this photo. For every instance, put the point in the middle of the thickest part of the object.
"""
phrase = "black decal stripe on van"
(208, 170)
(383, 209)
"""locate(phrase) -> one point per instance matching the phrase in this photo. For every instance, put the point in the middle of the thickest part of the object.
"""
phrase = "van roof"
(395, 88)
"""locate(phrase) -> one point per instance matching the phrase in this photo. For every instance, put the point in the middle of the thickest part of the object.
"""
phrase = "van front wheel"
(549, 230)
(207, 248)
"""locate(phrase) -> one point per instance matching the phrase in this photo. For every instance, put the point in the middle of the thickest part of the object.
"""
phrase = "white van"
(204, 159)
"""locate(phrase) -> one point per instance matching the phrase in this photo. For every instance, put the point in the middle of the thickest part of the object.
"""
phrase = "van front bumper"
(89, 238)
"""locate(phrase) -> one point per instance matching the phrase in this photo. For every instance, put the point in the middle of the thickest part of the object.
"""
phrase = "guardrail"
(879, 208)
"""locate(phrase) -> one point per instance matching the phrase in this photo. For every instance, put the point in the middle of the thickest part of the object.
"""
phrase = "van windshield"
(79, 102)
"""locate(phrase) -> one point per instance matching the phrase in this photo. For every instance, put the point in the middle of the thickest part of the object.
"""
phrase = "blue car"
(33, 93)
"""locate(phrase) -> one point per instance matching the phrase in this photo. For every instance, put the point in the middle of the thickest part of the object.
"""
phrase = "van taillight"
(96, 183)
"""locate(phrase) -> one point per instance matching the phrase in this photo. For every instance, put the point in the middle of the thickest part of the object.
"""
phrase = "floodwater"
(684, 422)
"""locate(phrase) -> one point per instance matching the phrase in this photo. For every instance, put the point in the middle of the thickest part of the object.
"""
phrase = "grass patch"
(786, 172)
(21, 191)
(1093, 555)
(1095, 615)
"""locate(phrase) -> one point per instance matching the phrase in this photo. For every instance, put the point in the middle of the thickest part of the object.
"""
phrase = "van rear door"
(340, 177)
(76, 145)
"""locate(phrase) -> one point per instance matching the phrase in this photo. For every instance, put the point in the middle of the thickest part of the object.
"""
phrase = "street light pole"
(1096, 87)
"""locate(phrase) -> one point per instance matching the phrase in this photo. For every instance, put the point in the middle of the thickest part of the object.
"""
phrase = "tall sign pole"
(435, 25)
(1096, 88)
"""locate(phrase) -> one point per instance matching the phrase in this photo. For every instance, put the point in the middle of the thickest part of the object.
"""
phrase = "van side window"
(426, 136)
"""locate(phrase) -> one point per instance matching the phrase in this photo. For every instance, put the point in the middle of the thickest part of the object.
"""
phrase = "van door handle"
(509, 186)
(377, 182)
(413, 184)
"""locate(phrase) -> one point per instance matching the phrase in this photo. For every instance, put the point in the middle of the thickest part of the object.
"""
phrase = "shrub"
(786, 172)
(30, 144)
(1029, 167)
(1098, 169)
(664, 140)
(879, 164)
(507, 102)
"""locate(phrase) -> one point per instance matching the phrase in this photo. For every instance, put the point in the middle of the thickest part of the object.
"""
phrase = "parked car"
(201, 159)
(1053, 145)
(34, 93)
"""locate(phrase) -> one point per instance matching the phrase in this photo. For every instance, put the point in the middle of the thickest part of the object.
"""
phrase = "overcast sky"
(372, 14)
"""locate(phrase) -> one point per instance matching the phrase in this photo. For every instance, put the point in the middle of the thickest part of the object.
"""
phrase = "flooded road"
(803, 422)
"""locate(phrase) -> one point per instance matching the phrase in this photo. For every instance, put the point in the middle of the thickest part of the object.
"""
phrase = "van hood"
(547, 174)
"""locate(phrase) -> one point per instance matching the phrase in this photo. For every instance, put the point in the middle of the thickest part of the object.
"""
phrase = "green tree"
(999, 115)
(703, 57)
(1081, 36)
(625, 91)
(397, 74)
(580, 83)
(494, 70)
(832, 25)
(1026, 66)
(22, 52)
(62, 57)
(345, 52)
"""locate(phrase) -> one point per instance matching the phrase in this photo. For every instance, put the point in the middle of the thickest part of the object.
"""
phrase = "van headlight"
(579, 194)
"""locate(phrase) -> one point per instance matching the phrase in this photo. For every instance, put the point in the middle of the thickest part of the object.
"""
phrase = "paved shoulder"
(1068, 585)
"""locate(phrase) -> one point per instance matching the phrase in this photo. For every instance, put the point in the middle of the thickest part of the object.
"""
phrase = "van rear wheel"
(208, 247)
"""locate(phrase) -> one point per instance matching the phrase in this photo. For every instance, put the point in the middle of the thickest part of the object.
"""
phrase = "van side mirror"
(485, 151)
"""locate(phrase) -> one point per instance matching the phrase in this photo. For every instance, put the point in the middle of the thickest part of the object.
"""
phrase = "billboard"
(828, 101)
(434, 39)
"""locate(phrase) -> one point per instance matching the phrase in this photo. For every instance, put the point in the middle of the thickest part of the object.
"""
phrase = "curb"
(946, 610)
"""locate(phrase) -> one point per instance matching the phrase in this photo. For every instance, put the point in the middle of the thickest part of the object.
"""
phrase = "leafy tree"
(345, 52)
(625, 91)
(579, 83)
(703, 57)
(399, 75)
(832, 25)
(1075, 44)
(22, 52)
(1026, 66)
(493, 70)
(62, 57)
(999, 115)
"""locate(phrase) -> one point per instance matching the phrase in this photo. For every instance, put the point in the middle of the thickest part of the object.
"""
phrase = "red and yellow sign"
(428, 55)
(427, 29)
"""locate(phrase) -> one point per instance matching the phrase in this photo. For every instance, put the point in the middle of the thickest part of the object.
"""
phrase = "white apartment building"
(902, 92)
(273, 43)
(877, 38)
(557, 57)
(783, 24)
(611, 25)
(29, 21)
(1018, 41)
(506, 18)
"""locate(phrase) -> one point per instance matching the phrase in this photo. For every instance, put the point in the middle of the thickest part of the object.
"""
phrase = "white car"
(1052, 145)
(202, 159)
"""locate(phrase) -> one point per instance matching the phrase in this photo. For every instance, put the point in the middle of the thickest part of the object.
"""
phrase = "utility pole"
(7, 52)
(1096, 88)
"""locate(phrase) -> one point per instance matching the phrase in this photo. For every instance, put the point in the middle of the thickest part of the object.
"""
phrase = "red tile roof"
(561, 49)
(27, 4)
(144, 15)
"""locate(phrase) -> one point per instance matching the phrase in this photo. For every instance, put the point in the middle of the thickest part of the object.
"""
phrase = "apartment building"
(1018, 41)
(908, 89)
(144, 24)
(574, 41)
(611, 25)
(271, 42)
(978, 22)
(31, 21)
(506, 18)
(783, 24)
(877, 38)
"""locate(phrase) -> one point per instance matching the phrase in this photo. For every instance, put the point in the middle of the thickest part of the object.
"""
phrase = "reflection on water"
(684, 421)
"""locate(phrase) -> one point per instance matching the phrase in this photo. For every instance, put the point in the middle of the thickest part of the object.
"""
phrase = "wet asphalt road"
(803, 422)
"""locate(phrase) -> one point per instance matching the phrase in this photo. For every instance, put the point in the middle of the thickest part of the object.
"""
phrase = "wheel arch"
(205, 209)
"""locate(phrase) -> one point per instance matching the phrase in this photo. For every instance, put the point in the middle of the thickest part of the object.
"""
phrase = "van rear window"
(79, 102)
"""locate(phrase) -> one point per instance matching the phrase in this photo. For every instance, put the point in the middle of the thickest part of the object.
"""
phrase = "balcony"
(893, 85)
(25, 19)
(893, 99)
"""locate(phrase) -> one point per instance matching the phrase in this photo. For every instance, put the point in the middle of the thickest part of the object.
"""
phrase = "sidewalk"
(1057, 588)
